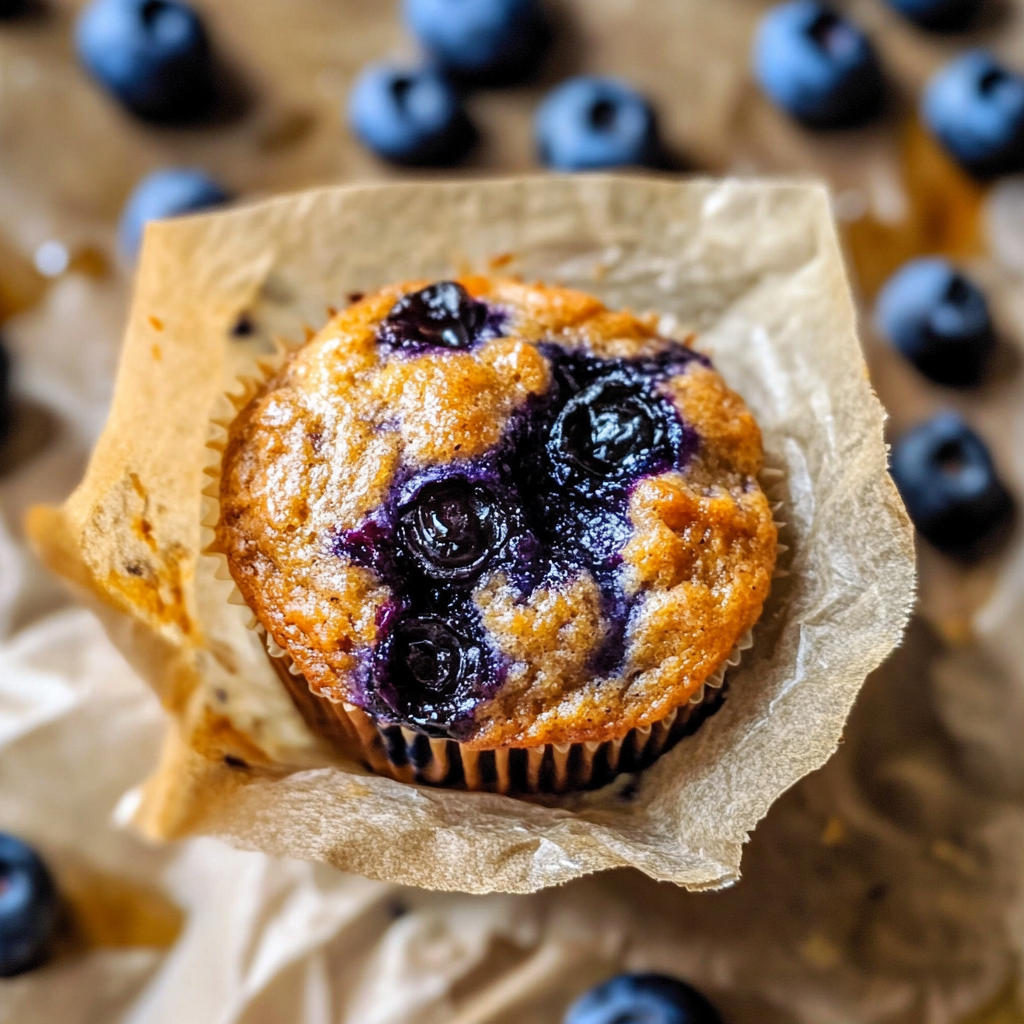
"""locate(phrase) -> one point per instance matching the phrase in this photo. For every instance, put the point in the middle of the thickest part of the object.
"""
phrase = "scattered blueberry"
(940, 15)
(442, 315)
(29, 908)
(945, 475)
(410, 116)
(975, 108)
(817, 65)
(6, 401)
(170, 192)
(153, 55)
(613, 430)
(484, 41)
(642, 999)
(589, 123)
(938, 319)
(452, 529)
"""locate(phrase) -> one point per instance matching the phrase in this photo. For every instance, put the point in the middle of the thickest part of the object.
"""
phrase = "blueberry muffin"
(498, 535)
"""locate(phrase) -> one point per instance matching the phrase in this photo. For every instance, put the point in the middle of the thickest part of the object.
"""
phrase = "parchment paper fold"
(754, 267)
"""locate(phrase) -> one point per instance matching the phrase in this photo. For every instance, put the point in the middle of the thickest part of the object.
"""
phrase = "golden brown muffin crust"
(319, 447)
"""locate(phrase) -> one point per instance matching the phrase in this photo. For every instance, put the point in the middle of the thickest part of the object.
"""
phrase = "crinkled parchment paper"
(754, 267)
(872, 892)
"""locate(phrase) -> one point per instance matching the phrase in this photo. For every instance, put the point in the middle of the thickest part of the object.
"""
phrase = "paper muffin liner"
(410, 755)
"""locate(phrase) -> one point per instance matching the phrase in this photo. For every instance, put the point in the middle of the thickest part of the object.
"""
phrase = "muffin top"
(498, 512)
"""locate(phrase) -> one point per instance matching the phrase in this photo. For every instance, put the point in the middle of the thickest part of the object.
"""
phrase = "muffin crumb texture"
(499, 513)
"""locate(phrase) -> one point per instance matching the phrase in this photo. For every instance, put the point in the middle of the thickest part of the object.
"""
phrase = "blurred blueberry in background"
(482, 41)
(589, 123)
(411, 116)
(975, 108)
(153, 55)
(946, 477)
(817, 65)
(29, 908)
(939, 319)
(169, 192)
(642, 999)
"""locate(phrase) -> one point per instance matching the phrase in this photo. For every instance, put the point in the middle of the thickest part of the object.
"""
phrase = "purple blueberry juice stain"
(548, 502)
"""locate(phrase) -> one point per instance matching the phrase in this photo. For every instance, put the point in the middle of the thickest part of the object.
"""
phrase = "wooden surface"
(895, 820)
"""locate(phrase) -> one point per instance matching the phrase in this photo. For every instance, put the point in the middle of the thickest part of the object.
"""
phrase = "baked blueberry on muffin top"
(498, 513)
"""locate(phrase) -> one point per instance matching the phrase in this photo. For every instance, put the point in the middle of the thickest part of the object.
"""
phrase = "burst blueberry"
(939, 319)
(169, 192)
(453, 529)
(442, 315)
(153, 55)
(939, 15)
(612, 431)
(430, 670)
(817, 65)
(642, 999)
(975, 108)
(410, 116)
(29, 908)
(590, 123)
(946, 477)
(484, 41)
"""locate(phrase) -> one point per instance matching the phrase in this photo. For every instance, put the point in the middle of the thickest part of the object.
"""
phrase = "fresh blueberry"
(29, 908)
(153, 55)
(588, 123)
(442, 315)
(431, 671)
(642, 999)
(170, 192)
(452, 529)
(484, 41)
(938, 319)
(975, 108)
(817, 65)
(954, 497)
(611, 432)
(940, 15)
(410, 116)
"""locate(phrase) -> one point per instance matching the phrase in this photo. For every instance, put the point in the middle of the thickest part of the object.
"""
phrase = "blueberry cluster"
(936, 317)
(549, 500)
(155, 58)
(415, 115)
(820, 67)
